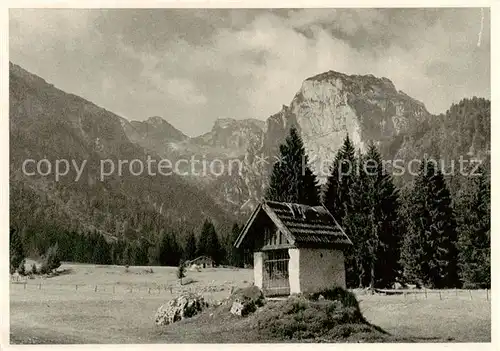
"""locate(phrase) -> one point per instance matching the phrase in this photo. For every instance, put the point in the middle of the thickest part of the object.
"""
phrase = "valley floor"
(106, 304)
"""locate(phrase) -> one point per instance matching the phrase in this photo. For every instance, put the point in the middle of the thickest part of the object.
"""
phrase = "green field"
(106, 304)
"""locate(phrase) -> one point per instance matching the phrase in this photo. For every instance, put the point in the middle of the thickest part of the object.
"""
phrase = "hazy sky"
(193, 66)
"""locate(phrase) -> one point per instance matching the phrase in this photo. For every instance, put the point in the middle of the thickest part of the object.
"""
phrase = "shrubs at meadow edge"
(50, 262)
(181, 271)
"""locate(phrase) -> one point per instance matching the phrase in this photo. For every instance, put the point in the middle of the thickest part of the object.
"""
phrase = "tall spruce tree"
(385, 234)
(169, 251)
(118, 251)
(178, 252)
(101, 250)
(16, 251)
(343, 173)
(235, 256)
(209, 244)
(190, 250)
(154, 253)
(165, 249)
(355, 222)
(129, 254)
(429, 252)
(473, 217)
(141, 254)
(371, 221)
(52, 258)
(344, 195)
(292, 180)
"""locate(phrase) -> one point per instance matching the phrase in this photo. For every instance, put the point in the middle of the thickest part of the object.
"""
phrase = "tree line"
(418, 235)
(95, 248)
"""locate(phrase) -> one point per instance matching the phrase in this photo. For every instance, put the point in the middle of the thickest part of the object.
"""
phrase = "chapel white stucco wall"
(320, 269)
(294, 270)
(258, 269)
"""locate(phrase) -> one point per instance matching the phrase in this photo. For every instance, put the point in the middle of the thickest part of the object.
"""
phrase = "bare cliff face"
(233, 136)
(330, 105)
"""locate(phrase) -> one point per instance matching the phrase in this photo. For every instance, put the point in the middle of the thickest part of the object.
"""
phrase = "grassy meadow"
(110, 304)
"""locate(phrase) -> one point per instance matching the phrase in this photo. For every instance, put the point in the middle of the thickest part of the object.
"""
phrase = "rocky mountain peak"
(155, 129)
(223, 123)
(368, 84)
(235, 135)
(156, 120)
(330, 105)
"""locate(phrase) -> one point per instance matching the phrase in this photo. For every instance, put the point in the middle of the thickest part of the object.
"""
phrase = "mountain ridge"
(47, 123)
(326, 107)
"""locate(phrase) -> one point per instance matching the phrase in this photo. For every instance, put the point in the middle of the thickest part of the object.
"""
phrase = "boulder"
(246, 300)
(237, 308)
(184, 306)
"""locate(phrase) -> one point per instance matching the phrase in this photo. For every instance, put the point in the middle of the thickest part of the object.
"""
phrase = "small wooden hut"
(296, 248)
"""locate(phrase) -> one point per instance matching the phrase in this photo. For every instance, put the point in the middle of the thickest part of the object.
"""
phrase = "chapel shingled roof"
(302, 224)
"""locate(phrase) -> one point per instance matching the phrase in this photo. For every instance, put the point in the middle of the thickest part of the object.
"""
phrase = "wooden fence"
(408, 293)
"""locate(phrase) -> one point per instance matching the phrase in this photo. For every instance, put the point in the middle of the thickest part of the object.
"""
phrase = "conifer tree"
(214, 248)
(52, 259)
(169, 250)
(473, 216)
(129, 254)
(22, 267)
(385, 234)
(34, 269)
(141, 254)
(292, 180)
(355, 223)
(190, 250)
(345, 199)
(101, 250)
(154, 254)
(337, 198)
(117, 252)
(235, 257)
(178, 252)
(181, 271)
(78, 249)
(165, 249)
(201, 248)
(371, 222)
(429, 253)
(209, 244)
(16, 251)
